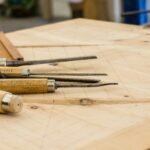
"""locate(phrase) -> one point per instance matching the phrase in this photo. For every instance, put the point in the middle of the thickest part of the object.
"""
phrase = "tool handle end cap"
(12, 103)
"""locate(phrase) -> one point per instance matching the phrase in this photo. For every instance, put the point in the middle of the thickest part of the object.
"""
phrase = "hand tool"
(14, 72)
(5, 62)
(18, 71)
(32, 86)
(10, 103)
(68, 74)
(80, 80)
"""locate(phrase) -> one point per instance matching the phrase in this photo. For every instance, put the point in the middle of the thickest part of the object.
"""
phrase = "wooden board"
(80, 33)
(7, 49)
(117, 113)
(76, 127)
(129, 68)
(126, 138)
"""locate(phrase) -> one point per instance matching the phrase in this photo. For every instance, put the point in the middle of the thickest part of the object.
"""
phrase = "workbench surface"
(117, 117)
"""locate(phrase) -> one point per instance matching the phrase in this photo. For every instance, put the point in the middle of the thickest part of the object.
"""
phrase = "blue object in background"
(135, 5)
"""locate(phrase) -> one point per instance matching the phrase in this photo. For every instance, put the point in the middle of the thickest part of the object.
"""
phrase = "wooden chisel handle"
(14, 71)
(10, 103)
(27, 86)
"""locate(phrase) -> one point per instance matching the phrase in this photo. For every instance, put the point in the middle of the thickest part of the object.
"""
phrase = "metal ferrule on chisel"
(3, 62)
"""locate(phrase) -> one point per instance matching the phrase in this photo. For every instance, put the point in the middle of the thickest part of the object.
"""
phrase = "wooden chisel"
(16, 63)
(18, 71)
(34, 86)
(13, 72)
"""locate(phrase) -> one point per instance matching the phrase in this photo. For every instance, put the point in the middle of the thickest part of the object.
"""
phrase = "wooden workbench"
(117, 117)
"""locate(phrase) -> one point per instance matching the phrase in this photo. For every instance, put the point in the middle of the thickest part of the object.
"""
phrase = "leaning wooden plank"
(7, 49)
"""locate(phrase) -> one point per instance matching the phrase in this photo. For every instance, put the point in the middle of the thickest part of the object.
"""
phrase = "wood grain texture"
(79, 33)
(126, 139)
(76, 127)
(119, 116)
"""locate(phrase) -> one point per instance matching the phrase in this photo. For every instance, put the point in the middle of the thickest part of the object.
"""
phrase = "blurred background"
(21, 14)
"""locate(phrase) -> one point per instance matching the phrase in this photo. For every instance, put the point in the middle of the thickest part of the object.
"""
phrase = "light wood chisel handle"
(27, 86)
(14, 71)
(10, 103)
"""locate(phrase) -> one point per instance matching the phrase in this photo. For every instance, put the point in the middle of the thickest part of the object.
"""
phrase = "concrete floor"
(61, 12)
